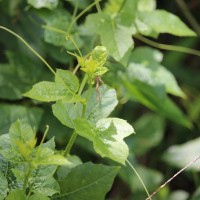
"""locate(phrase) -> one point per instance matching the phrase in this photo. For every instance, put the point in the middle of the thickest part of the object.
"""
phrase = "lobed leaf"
(68, 79)
(98, 109)
(107, 136)
(22, 139)
(116, 38)
(64, 88)
(48, 91)
(67, 112)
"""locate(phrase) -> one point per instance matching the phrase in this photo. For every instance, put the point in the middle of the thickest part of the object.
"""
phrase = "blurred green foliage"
(158, 91)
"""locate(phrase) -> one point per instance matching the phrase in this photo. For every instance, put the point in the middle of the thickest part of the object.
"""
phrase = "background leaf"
(50, 4)
(111, 34)
(22, 72)
(172, 25)
(181, 155)
(150, 132)
(11, 113)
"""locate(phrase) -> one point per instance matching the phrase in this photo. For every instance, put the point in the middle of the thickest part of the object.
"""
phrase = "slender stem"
(76, 69)
(175, 175)
(121, 6)
(80, 14)
(87, 97)
(98, 6)
(84, 81)
(70, 143)
(67, 36)
(183, 6)
(29, 193)
(26, 178)
(31, 49)
(45, 134)
(196, 179)
(74, 135)
(149, 197)
(167, 47)
(75, 10)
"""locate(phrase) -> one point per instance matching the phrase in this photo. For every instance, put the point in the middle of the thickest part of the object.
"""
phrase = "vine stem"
(167, 47)
(30, 48)
(26, 178)
(81, 13)
(135, 171)
(74, 134)
(63, 33)
(183, 6)
(169, 180)
(70, 143)
(98, 6)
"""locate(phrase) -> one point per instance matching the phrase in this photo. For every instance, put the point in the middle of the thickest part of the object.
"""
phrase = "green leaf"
(64, 170)
(7, 151)
(109, 141)
(3, 186)
(181, 155)
(111, 34)
(112, 7)
(50, 4)
(67, 78)
(64, 88)
(11, 113)
(38, 196)
(150, 129)
(42, 180)
(96, 109)
(16, 194)
(85, 129)
(155, 99)
(127, 14)
(48, 91)
(146, 5)
(46, 156)
(148, 69)
(22, 139)
(107, 137)
(162, 21)
(66, 112)
(88, 181)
